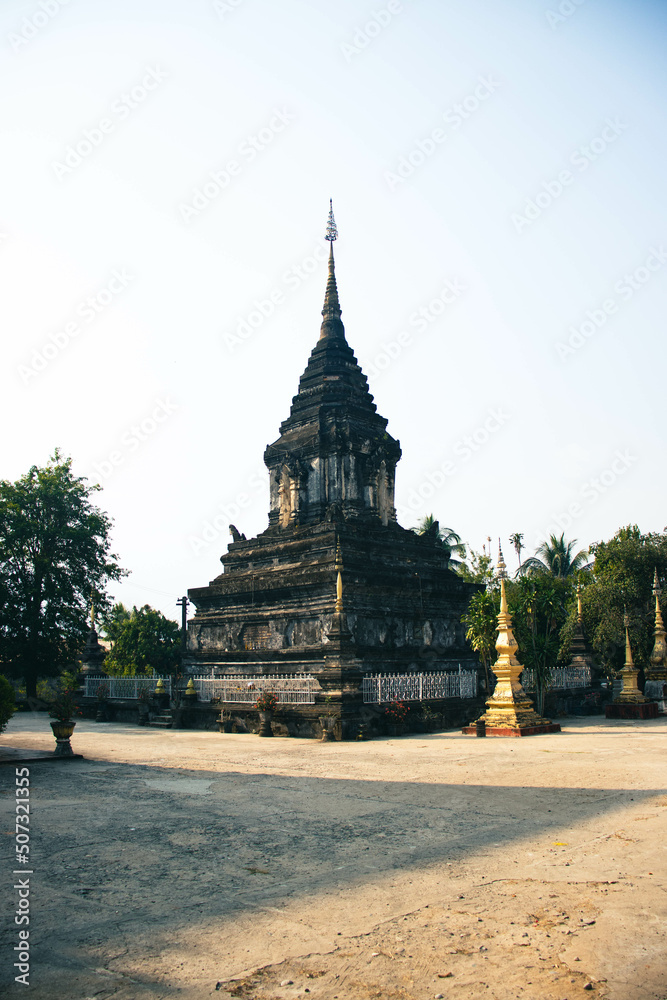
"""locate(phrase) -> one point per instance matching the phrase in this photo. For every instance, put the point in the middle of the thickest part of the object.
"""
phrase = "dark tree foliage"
(623, 578)
(54, 558)
(7, 703)
(144, 641)
(481, 622)
(444, 538)
(539, 606)
(556, 557)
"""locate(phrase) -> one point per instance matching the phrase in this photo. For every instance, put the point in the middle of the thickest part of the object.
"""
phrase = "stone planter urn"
(63, 732)
(397, 728)
(327, 723)
(224, 723)
(265, 723)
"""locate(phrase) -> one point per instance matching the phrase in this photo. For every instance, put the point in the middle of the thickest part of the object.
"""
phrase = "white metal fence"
(289, 689)
(383, 688)
(562, 678)
(124, 687)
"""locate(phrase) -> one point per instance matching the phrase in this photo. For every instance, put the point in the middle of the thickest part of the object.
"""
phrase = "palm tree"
(556, 557)
(445, 538)
(517, 541)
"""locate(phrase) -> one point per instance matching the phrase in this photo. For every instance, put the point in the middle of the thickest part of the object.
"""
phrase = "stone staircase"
(163, 721)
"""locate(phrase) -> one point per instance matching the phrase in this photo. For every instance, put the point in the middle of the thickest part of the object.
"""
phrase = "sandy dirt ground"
(172, 864)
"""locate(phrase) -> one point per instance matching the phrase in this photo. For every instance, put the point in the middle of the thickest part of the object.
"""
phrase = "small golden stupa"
(630, 703)
(509, 710)
(657, 669)
(630, 693)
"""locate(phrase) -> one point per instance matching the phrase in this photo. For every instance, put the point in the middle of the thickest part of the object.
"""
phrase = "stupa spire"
(657, 590)
(657, 671)
(629, 662)
(331, 313)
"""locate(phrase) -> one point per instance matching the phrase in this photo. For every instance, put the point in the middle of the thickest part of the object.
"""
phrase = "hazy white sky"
(497, 170)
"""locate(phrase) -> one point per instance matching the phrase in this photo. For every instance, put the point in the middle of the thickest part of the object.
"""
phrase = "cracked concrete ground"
(173, 864)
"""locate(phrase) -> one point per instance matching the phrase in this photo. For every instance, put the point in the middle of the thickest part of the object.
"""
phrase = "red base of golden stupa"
(628, 710)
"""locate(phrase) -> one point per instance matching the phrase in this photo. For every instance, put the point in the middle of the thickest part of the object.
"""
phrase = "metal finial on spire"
(657, 589)
(332, 229)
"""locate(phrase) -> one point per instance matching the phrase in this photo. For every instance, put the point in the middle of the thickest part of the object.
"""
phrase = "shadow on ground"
(129, 853)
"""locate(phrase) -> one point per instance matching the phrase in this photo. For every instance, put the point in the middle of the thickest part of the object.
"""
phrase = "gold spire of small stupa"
(657, 591)
(657, 669)
(339, 581)
(629, 662)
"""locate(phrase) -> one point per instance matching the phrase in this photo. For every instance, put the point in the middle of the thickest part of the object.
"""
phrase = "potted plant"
(328, 721)
(430, 719)
(144, 699)
(396, 713)
(102, 694)
(7, 702)
(266, 705)
(225, 721)
(61, 709)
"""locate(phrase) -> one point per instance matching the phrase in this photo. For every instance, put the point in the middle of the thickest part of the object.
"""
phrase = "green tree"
(144, 641)
(54, 555)
(445, 538)
(540, 606)
(623, 577)
(7, 702)
(517, 541)
(481, 622)
(478, 567)
(557, 558)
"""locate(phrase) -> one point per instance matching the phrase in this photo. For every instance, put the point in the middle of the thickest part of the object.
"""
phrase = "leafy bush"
(267, 702)
(397, 712)
(7, 703)
(64, 707)
(144, 642)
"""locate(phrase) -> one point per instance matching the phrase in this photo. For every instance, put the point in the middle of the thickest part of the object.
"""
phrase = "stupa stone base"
(537, 730)
(632, 710)
(518, 718)
(656, 690)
